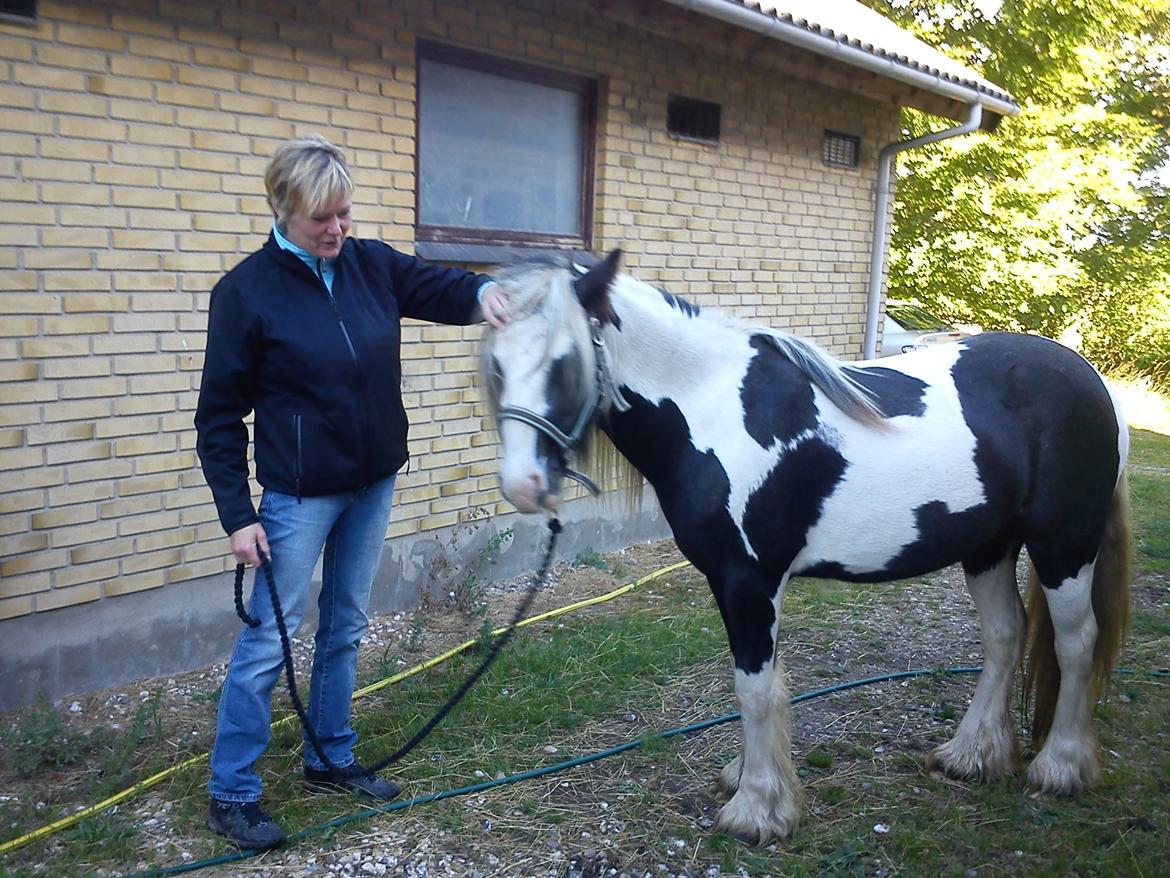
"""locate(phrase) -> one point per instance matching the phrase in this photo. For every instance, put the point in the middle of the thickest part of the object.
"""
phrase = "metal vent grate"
(693, 119)
(18, 10)
(841, 150)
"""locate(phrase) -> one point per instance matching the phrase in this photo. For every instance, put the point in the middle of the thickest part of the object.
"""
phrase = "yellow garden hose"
(65, 822)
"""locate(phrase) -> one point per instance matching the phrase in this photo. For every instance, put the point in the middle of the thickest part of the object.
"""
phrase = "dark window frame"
(434, 236)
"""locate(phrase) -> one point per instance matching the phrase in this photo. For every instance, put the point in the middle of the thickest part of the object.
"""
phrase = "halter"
(569, 442)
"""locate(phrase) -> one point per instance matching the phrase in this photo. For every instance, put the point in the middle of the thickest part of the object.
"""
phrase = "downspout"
(877, 261)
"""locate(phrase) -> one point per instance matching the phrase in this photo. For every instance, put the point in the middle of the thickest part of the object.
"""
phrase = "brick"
(58, 346)
(85, 493)
(71, 58)
(68, 597)
(119, 86)
(155, 48)
(90, 532)
(143, 561)
(128, 584)
(185, 96)
(21, 502)
(125, 176)
(30, 583)
(78, 451)
(138, 156)
(20, 458)
(102, 470)
(149, 484)
(85, 554)
(188, 571)
(63, 517)
(74, 281)
(17, 327)
(11, 608)
(85, 367)
(62, 432)
(79, 325)
(78, 303)
(35, 563)
(79, 574)
(18, 371)
(171, 538)
(36, 76)
(159, 463)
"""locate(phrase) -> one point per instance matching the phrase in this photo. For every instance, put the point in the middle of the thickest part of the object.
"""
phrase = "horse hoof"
(1047, 777)
(975, 768)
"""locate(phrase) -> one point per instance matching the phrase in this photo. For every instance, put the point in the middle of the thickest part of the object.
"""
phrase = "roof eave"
(899, 68)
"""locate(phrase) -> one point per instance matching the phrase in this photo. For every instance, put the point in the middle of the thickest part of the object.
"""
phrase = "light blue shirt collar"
(323, 267)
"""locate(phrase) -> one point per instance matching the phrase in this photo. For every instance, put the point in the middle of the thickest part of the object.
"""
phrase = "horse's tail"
(1112, 579)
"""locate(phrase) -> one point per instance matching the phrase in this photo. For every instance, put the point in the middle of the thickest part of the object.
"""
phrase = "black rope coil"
(554, 526)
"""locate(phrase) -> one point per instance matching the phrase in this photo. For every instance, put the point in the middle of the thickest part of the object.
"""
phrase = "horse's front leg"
(764, 804)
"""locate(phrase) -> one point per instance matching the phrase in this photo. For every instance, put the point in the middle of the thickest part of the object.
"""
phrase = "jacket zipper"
(297, 421)
(336, 311)
(320, 272)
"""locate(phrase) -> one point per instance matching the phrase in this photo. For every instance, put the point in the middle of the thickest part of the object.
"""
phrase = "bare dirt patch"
(645, 813)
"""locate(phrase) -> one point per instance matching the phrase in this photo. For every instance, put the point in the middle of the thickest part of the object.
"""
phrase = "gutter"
(821, 43)
(877, 260)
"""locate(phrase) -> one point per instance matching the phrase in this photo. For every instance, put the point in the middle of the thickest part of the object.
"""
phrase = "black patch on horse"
(1029, 399)
(693, 491)
(777, 398)
(896, 394)
(680, 304)
(780, 513)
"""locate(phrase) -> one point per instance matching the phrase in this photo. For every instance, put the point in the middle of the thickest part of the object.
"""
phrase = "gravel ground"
(932, 625)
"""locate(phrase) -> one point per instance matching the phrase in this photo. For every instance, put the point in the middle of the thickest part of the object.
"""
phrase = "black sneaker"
(244, 823)
(354, 779)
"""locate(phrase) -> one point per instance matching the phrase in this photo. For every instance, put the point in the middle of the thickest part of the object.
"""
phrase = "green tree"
(1056, 222)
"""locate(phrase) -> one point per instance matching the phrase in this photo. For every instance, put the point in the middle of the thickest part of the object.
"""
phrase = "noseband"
(568, 443)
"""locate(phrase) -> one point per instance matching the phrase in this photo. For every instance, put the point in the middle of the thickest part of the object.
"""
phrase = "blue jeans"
(351, 529)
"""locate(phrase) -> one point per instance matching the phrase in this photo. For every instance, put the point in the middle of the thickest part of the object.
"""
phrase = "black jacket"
(321, 372)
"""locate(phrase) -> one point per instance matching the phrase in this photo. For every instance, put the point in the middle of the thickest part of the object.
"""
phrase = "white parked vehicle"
(909, 328)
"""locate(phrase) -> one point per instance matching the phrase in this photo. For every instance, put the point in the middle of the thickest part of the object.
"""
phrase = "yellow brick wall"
(133, 137)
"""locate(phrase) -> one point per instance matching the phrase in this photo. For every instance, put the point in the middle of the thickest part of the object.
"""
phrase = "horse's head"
(544, 373)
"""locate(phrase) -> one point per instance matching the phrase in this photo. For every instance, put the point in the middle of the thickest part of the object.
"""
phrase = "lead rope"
(554, 526)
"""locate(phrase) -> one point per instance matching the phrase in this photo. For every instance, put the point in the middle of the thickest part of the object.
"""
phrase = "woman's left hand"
(494, 306)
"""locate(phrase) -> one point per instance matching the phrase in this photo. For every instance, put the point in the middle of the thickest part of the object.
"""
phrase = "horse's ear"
(592, 287)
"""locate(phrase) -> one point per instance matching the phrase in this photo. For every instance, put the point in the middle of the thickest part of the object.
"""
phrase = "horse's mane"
(553, 300)
(813, 361)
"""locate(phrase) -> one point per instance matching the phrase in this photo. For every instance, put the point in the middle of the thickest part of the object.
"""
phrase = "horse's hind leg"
(1067, 763)
(764, 805)
(986, 747)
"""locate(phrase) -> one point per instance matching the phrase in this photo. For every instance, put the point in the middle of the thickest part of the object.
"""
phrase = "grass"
(659, 660)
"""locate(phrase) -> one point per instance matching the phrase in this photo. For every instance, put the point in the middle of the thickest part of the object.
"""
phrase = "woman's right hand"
(248, 543)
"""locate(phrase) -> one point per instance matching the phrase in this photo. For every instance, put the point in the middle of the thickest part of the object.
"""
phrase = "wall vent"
(693, 119)
(841, 150)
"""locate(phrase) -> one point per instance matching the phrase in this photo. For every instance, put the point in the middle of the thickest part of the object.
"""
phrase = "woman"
(305, 333)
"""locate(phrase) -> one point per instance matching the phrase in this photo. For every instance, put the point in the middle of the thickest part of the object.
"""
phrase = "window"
(841, 150)
(693, 119)
(18, 11)
(505, 152)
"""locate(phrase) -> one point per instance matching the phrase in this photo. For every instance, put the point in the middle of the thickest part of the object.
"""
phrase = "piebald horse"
(771, 459)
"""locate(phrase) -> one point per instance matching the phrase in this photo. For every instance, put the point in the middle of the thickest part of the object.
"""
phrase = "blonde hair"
(305, 175)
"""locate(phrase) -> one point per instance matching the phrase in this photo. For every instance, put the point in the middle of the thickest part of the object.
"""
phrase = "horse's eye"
(495, 377)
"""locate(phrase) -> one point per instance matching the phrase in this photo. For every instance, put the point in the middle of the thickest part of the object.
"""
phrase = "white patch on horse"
(933, 462)
(703, 404)
(1067, 762)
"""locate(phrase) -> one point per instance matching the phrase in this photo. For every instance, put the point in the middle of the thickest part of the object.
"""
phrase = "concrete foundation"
(186, 625)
